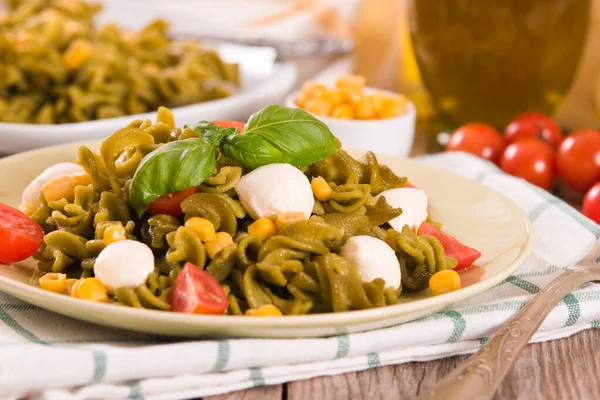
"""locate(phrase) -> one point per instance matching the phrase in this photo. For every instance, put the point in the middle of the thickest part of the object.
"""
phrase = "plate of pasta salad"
(263, 228)
(68, 77)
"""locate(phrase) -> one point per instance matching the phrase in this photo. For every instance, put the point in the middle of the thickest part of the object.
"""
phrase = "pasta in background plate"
(56, 66)
(223, 243)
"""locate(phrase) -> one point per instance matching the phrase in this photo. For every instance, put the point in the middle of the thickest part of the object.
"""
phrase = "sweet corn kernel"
(445, 281)
(301, 100)
(221, 240)
(282, 219)
(393, 107)
(313, 89)
(114, 233)
(83, 179)
(268, 310)
(262, 228)
(70, 284)
(321, 189)
(62, 187)
(75, 288)
(355, 82)
(318, 107)
(92, 289)
(54, 282)
(78, 53)
(390, 238)
(332, 97)
(378, 100)
(364, 109)
(343, 111)
(202, 227)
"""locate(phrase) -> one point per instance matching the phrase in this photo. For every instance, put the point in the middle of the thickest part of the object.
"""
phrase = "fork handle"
(480, 376)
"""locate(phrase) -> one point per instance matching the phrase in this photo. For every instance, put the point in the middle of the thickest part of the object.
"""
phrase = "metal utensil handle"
(480, 376)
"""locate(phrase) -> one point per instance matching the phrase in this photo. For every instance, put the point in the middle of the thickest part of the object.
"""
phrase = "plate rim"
(62, 304)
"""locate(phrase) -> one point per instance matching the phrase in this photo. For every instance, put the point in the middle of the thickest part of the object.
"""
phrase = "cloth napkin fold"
(61, 358)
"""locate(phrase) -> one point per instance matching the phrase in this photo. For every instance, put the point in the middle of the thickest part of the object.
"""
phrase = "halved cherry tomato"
(452, 247)
(480, 139)
(197, 292)
(20, 236)
(230, 124)
(578, 159)
(171, 203)
(534, 125)
(531, 160)
(591, 203)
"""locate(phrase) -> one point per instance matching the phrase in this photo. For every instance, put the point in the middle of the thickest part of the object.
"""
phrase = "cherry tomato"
(531, 160)
(230, 124)
(534, 125)
(171, 203)
(197, 292)
(465, 255)
(20, 236)
(479, 139)
(578, 159)
(591, 203)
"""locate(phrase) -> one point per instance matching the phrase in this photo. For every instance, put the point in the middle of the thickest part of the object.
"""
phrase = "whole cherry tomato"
(230, 124)
(196, 292)
(20, 236)
(591, 203)
(531, 160)
(578, 159)
(534, 125)
(480, 139)
(171, 203)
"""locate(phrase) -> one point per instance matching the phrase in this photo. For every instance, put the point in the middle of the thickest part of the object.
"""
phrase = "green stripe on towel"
(459, 324)
(343, 346)
(257, 377)
(373, 360)
(223, 353)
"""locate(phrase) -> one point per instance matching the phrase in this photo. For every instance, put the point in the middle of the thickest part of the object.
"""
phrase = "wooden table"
(560, 369)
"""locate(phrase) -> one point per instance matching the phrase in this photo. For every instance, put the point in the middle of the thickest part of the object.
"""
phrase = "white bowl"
(393, 136)
(262, 83)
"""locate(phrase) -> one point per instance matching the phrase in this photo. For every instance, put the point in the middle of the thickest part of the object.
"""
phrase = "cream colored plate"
(475, 214)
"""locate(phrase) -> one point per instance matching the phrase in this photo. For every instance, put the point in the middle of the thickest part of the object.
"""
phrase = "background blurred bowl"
(393, 136)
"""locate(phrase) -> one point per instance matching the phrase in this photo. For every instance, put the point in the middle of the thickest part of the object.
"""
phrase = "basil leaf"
(212, 133)
(289, 135)
(251, 151)
(175, 166)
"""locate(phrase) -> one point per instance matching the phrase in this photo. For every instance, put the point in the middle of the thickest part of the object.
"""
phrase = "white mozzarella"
(125, 263)
(413, 203)
(273, 189)
(373, 258)
(32, 192)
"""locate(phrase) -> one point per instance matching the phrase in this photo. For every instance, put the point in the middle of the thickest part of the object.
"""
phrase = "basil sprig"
(175, 166)
(276, 134)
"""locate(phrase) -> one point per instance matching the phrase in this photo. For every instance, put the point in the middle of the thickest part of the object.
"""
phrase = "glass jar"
(491, 60)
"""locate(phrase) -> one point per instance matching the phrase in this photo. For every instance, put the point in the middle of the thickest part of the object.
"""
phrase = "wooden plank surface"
(555, 370)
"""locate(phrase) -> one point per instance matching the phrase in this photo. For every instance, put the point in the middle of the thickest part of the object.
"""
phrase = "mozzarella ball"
(32, 192)
(273, 189)
(413, 203)
(373, 258)
(125, 263)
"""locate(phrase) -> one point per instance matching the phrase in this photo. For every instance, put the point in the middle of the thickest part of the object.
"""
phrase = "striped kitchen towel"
(48, 355)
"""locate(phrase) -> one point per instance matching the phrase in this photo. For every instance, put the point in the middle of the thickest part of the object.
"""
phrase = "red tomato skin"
(230, 124)
(578, 159)
(534, 125)
(196, 292)
(20, 236)
(171, 203)
(480, 139)
(531, 160)
(591, 203)
(465, 255)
